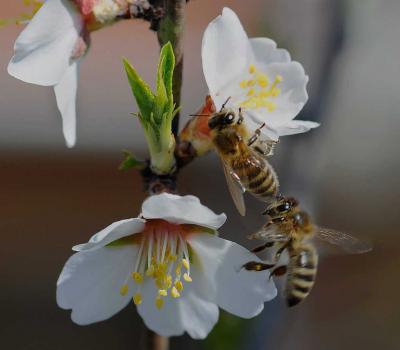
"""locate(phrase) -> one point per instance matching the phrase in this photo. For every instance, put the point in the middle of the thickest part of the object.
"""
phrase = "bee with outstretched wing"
(291, 229)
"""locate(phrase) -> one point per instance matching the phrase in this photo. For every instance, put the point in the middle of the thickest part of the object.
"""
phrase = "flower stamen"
(162, 255)
(260, 91)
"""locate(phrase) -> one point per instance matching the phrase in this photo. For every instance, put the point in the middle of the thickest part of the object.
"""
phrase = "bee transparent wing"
(235, 189)
(264, 148)
(269, 233)
(346, 242)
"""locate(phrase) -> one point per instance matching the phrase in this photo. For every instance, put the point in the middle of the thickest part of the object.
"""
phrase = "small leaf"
(131, 162)
(164, 76)
(142, 92)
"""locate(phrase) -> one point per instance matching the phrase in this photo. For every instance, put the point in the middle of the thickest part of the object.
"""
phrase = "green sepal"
(131, 161)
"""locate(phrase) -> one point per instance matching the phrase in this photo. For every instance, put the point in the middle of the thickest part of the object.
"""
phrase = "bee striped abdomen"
(301, 274)
(255, 176)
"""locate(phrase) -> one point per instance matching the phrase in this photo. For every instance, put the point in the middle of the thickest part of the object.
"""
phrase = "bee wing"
(235, 189)
(264, 148)
(269, 233)
(346, 242)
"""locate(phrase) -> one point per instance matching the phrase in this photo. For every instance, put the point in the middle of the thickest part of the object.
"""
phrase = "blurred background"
(346, 173)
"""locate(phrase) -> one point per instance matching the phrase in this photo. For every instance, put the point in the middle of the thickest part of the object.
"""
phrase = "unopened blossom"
(48, 50)
(254, 75)
(170, 263)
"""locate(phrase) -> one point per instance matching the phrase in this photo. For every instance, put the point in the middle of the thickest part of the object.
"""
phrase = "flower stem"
(155, 341)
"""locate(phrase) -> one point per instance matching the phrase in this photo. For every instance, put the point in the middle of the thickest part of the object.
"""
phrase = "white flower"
(171, 263)
(256, 76)
(48, 50)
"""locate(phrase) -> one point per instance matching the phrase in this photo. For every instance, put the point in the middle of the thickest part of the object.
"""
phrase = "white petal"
(65, 92)
(236, 290)
(265, 50)
(43, 49)
(190, 312)
(198, 315)
(225, 50)
(116, 230)
(167, 321)
(90, 283)
(181, 210)
(294, 127)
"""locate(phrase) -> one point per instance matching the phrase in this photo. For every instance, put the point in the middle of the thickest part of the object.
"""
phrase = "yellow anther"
(185, 263)
(251, 92)
(124, 290)
(187, 278)
(162, 267)
(178, 269)
(137, 299)
(252, 69)
(159, 303)
(173, 257)
(243, 84)
(278, 78)
(174, 293)
(179, 286)
(262, 80)
(251, 82)
(163, 292)
(138, 277)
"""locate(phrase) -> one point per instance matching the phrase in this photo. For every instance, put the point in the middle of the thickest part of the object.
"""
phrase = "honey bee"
(289, 228)
(243, 157)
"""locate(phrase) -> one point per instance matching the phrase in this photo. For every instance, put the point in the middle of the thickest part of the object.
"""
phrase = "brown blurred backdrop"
(346, 173)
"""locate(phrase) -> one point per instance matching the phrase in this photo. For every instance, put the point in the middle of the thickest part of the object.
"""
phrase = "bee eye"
(284, 207)
(230, 118)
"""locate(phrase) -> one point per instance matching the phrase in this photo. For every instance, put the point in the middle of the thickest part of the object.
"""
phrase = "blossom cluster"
(169, 260)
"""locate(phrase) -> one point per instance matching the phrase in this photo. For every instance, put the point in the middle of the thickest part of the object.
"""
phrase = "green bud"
(157, 110)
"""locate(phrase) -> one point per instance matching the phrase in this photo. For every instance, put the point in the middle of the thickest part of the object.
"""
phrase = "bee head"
(282, 206)
(222, 119)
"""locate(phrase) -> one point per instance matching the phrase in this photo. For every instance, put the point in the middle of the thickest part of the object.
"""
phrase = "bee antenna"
(224, 104)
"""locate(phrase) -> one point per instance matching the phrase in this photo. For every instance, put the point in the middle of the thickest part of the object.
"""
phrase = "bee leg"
(262, 247)
(278, 271)
(256, 135)
(257, 266)
(241, 118)
(280, 251)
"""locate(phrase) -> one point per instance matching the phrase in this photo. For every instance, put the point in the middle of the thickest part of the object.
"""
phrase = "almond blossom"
(171, 263)
(254, 75)
(48, 50)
